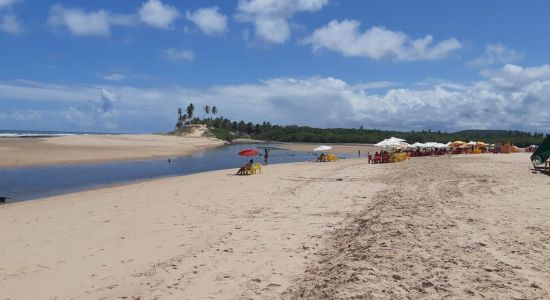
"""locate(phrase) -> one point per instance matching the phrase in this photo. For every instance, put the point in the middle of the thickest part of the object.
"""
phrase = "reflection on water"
(37, 182)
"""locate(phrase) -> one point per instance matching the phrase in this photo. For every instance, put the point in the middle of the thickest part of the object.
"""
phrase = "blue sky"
(125, 66)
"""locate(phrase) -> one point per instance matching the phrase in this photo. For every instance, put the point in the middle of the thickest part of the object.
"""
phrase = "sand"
(17, 152)
(448, 227)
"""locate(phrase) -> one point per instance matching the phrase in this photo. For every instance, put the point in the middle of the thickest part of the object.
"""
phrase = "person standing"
(266, 156)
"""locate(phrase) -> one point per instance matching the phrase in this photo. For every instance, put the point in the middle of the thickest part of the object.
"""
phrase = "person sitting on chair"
(245, 168)
(322, 157)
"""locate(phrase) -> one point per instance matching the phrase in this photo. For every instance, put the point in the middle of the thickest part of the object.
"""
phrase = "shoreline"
(84, 149)
(90, 149)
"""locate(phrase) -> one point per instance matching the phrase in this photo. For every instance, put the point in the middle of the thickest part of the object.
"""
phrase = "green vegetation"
(226, 129)
(222, 134)
(339, 135)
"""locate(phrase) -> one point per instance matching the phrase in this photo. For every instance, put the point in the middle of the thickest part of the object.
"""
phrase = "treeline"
(269, 132)
(226, 129)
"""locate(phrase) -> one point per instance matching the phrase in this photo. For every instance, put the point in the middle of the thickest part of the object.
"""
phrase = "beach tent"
(322, 148)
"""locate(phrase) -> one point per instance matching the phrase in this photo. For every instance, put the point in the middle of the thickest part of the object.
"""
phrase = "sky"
(126, 66)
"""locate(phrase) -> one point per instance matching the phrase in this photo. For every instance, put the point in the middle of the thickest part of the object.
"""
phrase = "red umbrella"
(248, 152)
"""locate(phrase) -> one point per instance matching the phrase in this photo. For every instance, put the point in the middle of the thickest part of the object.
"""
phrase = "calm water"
(37, 182)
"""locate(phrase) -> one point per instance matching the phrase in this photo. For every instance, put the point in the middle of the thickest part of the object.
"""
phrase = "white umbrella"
(417, 144)
(322, 148)
(392, 143)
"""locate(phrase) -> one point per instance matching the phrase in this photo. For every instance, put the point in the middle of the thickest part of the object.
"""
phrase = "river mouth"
(28, 183)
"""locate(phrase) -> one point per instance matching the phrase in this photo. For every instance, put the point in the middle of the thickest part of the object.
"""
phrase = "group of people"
(382, 157)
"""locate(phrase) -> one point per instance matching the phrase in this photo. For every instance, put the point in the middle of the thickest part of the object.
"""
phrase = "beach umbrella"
(248, 152)
(431, 145)
(322, 148)
(481, 144)
(397, 139)
(392, 143)
(417, 144)
(457, 144)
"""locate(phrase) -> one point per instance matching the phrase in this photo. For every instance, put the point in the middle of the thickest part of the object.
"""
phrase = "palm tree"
(190, 110)
(207, 109)
(214, 110)
(179, 113)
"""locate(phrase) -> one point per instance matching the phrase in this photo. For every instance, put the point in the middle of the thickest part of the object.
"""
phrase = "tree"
(206, 109)
(214, 110)
(179, 113)
(190, 110)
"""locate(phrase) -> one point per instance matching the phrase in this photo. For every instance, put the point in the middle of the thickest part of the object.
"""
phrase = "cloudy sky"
(126, 66)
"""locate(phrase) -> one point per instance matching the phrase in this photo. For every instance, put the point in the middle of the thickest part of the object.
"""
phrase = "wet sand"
(447, 227)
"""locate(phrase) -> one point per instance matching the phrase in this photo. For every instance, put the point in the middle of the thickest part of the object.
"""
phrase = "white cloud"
(26, 115)
(114, 77)
(271, 17)
(157, 14)
(378, 43)
(514, 76)
(496, 54)
(520, 103)
(208, 19)
(179, 55)
(80, 22)
(7, 3)
(10, 24)
(108, 100)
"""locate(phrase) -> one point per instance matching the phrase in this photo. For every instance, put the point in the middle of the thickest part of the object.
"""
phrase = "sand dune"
(17, 152)
(453, 227)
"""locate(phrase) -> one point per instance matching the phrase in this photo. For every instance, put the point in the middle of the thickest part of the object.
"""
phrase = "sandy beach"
(447, 227)
(17, 152)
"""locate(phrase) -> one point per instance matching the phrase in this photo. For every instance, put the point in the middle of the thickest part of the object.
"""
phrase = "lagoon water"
(37, 182)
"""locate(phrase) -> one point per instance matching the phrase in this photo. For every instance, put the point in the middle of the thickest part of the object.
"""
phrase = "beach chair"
(332, 157)
(255, 168)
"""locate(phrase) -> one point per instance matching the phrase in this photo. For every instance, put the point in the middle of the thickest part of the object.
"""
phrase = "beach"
(18, 152)
(458, 227)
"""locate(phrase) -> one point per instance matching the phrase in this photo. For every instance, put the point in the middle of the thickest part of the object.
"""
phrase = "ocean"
(40, 133)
